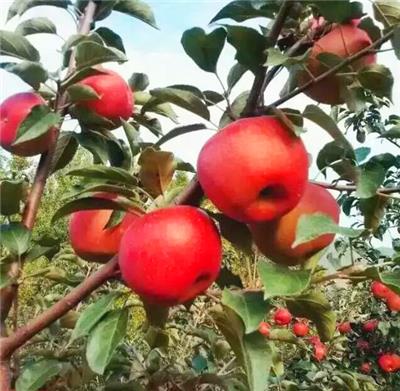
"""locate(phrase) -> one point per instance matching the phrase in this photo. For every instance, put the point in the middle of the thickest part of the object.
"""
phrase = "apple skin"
(254, 169)
(379, 290)
(342, 41)
(282, 317)
(264, 329)
(88, 237)
(365, 367)
(115, 96)
(300, 329)
(171, 255)
(389, 362)
(275, 238)
(13, 112)
(320, 351)
(344, 328)
(393, 302)
(370, 325)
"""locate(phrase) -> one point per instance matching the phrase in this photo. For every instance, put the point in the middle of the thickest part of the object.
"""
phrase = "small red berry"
(379, 290)
(365, 367)
(314, 340)
(344, 328)
(300, 329)
(282, 317)
(264, 328)
(370, 325)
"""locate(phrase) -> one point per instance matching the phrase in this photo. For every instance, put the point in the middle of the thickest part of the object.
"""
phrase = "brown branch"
(260, 76)
(334, 69)
(381, 190)
(23, 334)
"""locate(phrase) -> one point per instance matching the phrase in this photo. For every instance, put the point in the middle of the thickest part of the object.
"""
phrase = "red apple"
(264, 328)
(389, 362)
(379, 290)
(365, 367)
(171, 255)
(282, 317)
(342, 41)
(275, 238)
(90, 239)
(362, 344)
(13, 112)
(344, 328)
(115, 96)
(254, 169)
(370, 325)
(300, 329)
(393, 302)
(320, 351)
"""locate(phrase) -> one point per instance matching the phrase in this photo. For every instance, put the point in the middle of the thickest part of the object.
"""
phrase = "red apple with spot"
(344, 328)
(264, 328)
(342, 41)
(379, 290)
(275, 238)
(13, 111)
(300, 329)
(90, 238)
(255, 169)
(170, 255)
(282, 317)
(370, 325)
(115, 99)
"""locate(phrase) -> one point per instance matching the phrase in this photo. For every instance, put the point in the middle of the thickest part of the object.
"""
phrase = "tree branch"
(259, 79)
(381, 190)
(334, 69)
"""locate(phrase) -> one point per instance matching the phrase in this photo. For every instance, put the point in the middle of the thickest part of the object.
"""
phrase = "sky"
(159, 54)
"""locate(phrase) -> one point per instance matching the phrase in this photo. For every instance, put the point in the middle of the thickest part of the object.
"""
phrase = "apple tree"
(124, 267)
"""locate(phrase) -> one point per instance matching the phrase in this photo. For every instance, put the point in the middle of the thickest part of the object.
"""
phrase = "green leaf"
(139, 82)
(371, 176)
(66, 147)
(315, 306)
(133, 137)
(311, 226)
(243, 10)
(185, 99)
(38, 122)
(227, 278)
(337, 11)
(138, 9)
(250, 46)
(250, 306)
(235, 74)
(368, 25)
(111, 38)
(387, 12)
(154, 105)
(178, 132)
(19, 7)
(105, 338)
(11, 194)
(30, 72)
(318, 116)
(92, 315)
(88, 203)
(378, 79)
(276, 57)
(45, 246)
(282, 281)
(204, 49)
(89, 53)
(393, 132)
(253, 352)
(36, 26)
(80, 92)
(212, 97)
(15, 238)
(111, 174)
(153, 124)
(16, 45)
(235, 232)
(101, 188)
(79, 75)
(237, 107)
(362, 153)
(37, 374)
(373, 210)
(396, 42)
